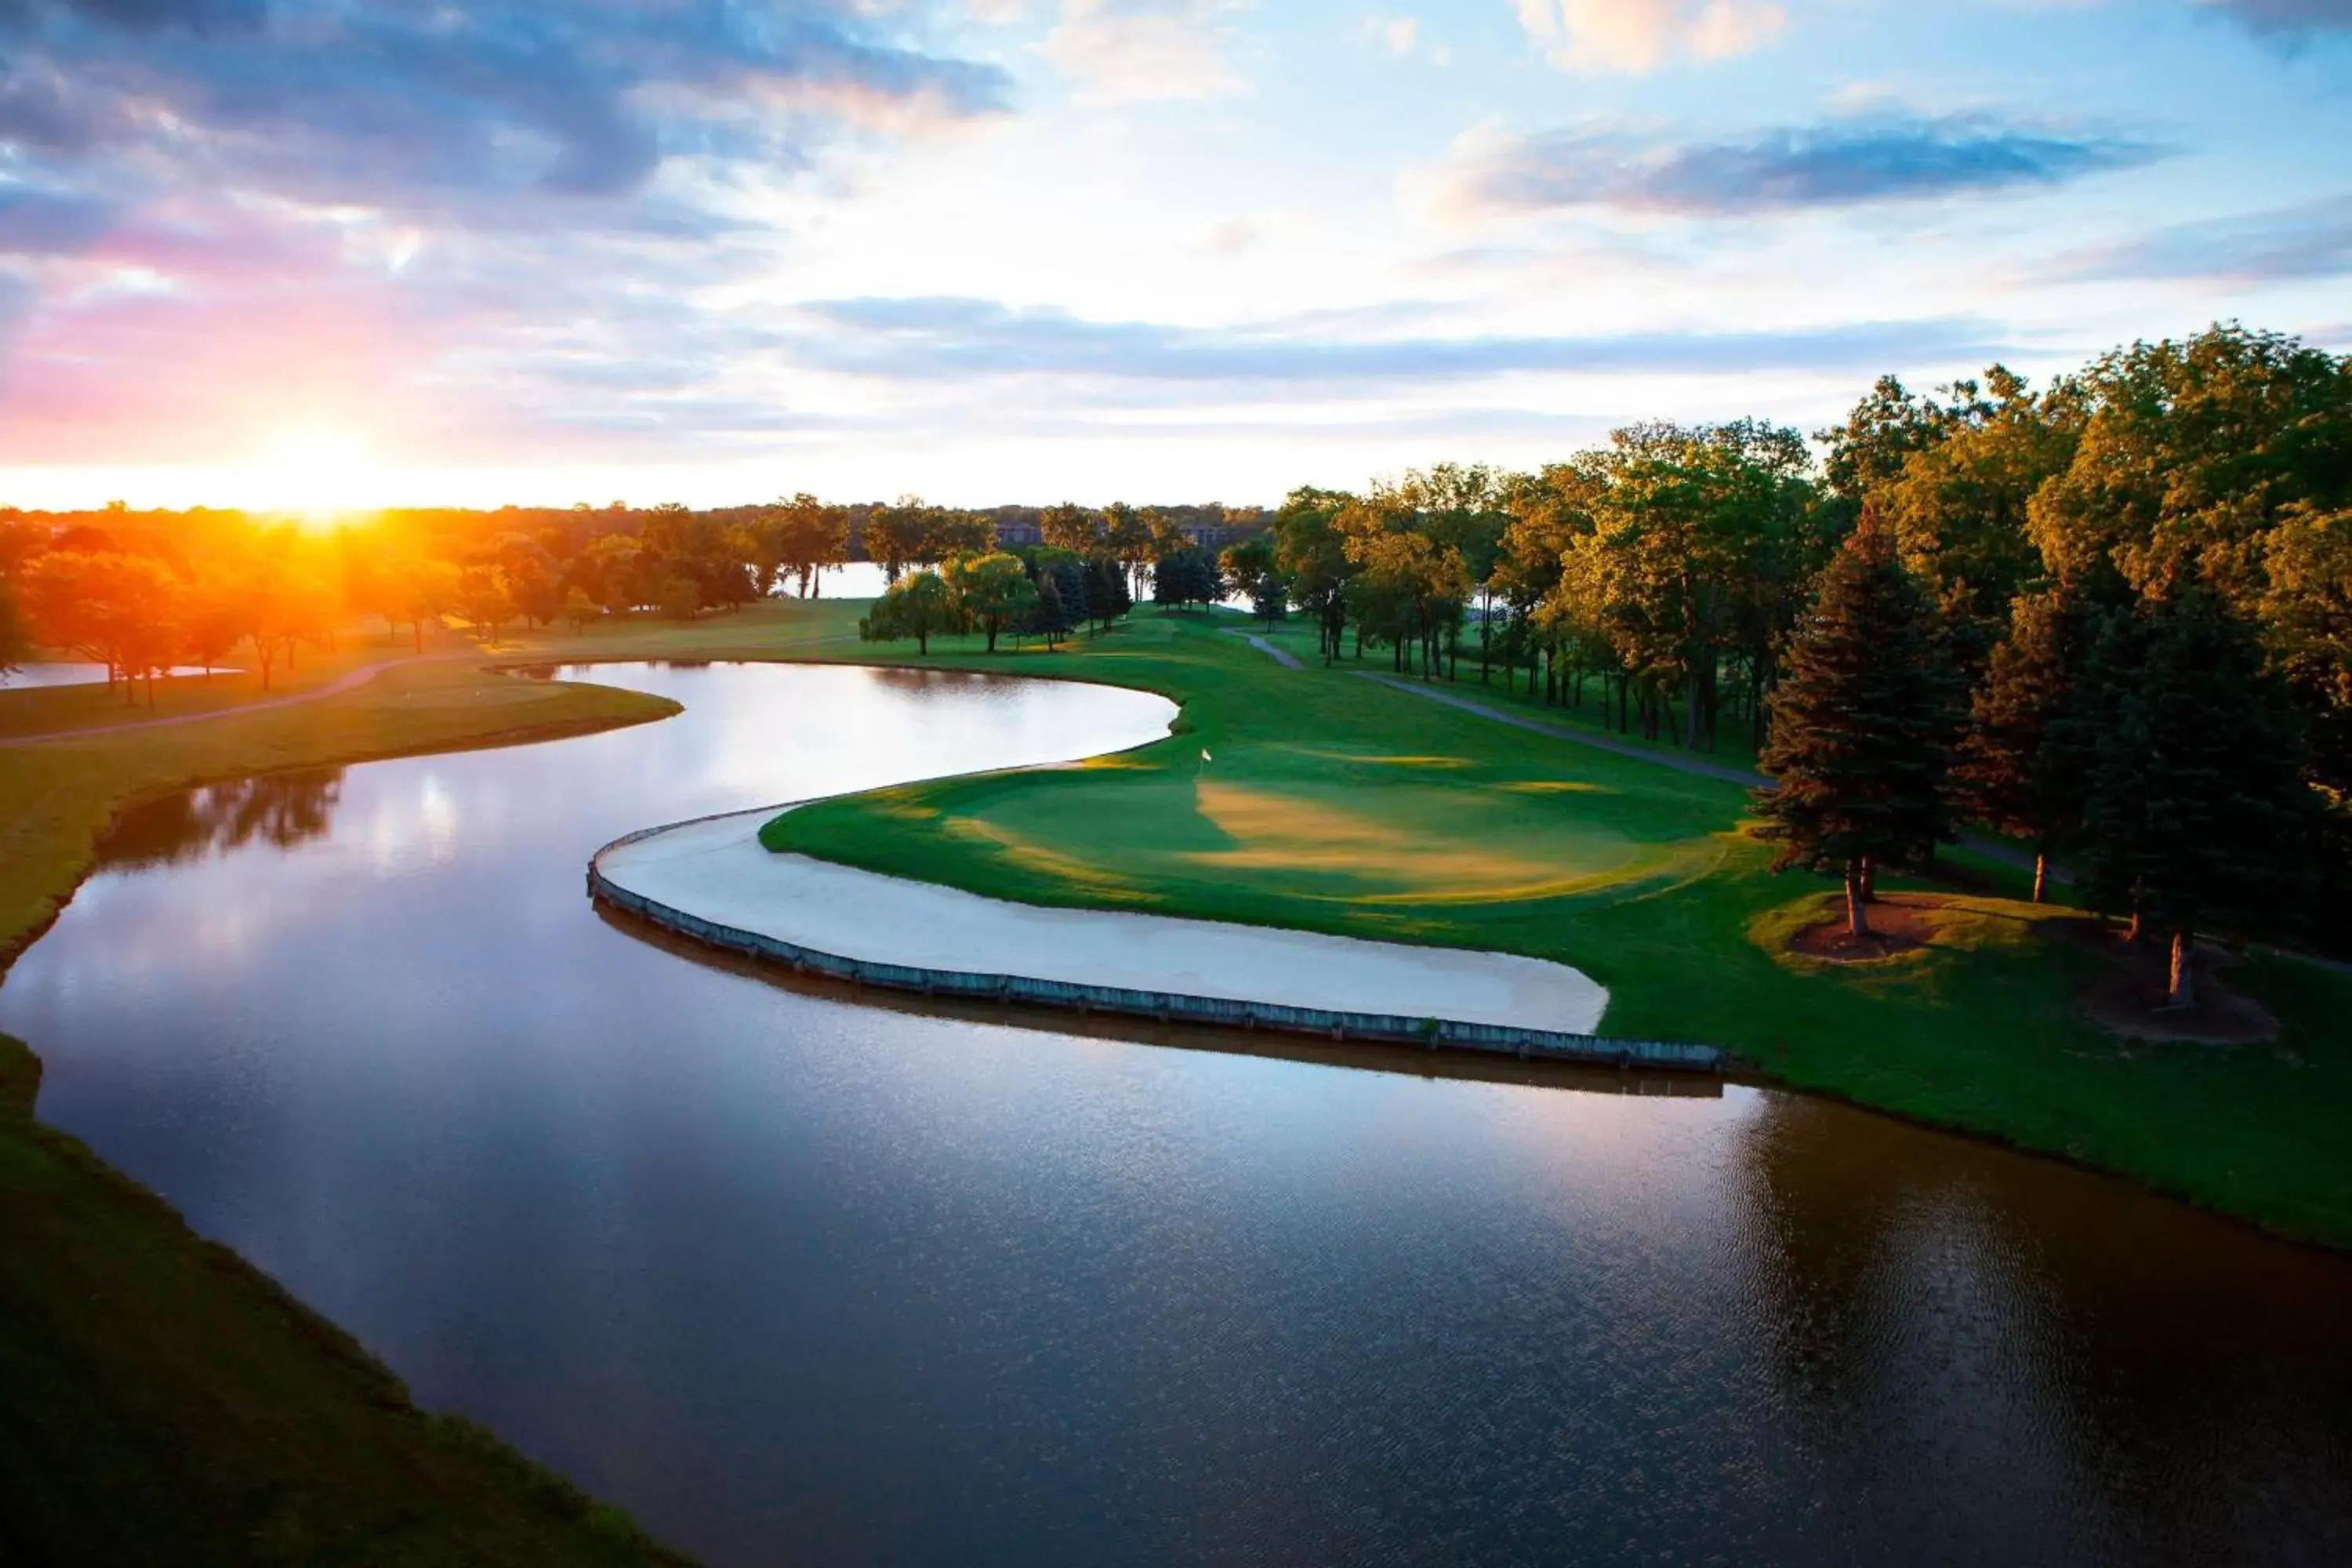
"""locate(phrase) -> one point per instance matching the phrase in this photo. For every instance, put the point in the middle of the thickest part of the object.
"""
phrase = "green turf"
(1334, 804)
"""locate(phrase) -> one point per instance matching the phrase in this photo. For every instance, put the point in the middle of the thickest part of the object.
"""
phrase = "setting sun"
(315, 470)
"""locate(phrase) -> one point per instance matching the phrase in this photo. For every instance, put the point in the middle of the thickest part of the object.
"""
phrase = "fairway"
(1332, 803)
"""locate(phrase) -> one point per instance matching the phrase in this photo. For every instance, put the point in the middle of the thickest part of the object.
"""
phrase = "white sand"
(718, 870)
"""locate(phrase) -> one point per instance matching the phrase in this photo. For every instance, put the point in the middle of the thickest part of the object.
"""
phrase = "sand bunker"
(718, 870)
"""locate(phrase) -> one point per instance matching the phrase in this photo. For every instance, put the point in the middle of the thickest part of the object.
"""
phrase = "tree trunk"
(2040, 875)
(2181, 990)
(1858, 898)
(1870, 879)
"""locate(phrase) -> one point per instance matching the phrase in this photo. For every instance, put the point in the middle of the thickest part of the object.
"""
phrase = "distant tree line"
(142, 592)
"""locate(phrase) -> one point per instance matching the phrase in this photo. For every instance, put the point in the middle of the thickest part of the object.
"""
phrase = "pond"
(799, 1279)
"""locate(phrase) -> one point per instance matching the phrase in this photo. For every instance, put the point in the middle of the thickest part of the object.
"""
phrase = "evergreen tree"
(1050, 616)
(1067, 574)
(2018, 773)
(2196, 813)
(1861, 725)
(1107, 591)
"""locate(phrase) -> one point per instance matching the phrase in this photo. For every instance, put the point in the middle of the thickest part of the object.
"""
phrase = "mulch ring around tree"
(1899, 923)
(2128, 998)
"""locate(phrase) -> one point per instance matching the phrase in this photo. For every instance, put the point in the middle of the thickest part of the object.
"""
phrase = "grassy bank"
(1332, 803)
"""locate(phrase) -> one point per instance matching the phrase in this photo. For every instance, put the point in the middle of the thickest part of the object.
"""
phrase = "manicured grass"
(162, 1402)
(1333, 803)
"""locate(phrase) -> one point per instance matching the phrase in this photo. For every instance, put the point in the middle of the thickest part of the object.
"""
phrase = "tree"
(612, 568)
(2306, 611)
(895, 533)
(579, 609)
(209, 629)
(1184, 577)
(537, 595)
(428, 589)
(1065, 576)
(1312, 557)
(1049, 616)
(951, 534)
(2191, 453)
(1126, 538)
(16, 633)
(2018, 771)
(918, 605)
(1070, 527)
(1868, 451)
(1861, 725)
(993, 591)
(2196, 811)
(1108, 596)
(808, 537)
(1248, 569)
(483, 600)
(1960, 504)
(681, 596)
(108, 606)
(1686, 522)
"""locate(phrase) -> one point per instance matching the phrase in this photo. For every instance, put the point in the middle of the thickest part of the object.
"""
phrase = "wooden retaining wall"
(1433, 1034)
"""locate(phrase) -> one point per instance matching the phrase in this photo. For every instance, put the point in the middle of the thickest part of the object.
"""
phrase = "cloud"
(1884, 158)
(225, 213)
(1596, 37)
(48, 222)
(2313, 240)
(1138, 51)
(2288, 17)
(1397, 34)
(955, 337)
(385, 103)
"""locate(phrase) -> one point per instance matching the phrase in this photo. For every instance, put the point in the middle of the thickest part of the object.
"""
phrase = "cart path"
(1975, 843)
(1281, 656)
(349, 680)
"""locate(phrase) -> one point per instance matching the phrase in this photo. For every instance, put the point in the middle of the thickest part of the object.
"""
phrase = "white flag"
(1204, 754)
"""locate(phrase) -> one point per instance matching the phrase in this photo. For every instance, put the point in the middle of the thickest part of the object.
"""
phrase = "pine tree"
(2196, 811)
(2018, 773)
(1861, 725)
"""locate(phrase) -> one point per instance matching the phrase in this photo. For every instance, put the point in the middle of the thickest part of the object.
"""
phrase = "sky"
(319, 253)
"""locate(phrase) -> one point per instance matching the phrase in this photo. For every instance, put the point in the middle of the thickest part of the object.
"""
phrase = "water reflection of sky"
(803, 1280)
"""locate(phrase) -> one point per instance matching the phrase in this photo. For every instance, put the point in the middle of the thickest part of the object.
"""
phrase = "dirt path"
(1281, 656)
(1681, 765)
(349, 680)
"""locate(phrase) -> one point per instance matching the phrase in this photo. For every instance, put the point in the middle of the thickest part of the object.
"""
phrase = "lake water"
(799, 1279)
(38, 674)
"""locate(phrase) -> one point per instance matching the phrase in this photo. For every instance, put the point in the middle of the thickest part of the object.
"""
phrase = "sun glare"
(317, 471)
